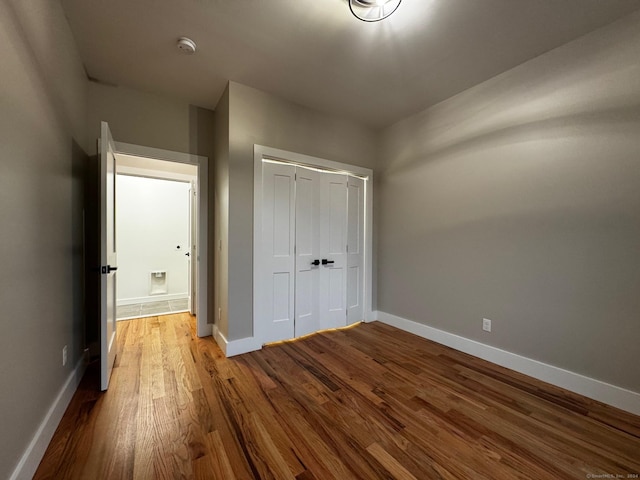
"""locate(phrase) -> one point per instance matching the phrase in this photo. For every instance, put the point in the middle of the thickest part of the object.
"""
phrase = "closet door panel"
(278, 233)
(333, 239)
(355, 249)
(307, 251)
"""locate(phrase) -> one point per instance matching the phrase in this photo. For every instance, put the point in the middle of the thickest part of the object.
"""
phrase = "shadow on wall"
(79, 164)
(615, 120)
(92, 255)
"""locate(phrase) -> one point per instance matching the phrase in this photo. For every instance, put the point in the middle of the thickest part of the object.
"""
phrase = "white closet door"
(307, 251)
(278, 234)
(355, 250)
(333, 241)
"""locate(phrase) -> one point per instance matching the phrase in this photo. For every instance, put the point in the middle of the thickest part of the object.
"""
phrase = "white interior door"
(355, 250)
(278, 233)
(109, 261)
(307, 273)
(192, 253)
(333, 242)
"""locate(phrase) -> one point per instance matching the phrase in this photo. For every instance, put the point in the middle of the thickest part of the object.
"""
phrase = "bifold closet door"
(307, 308)
(355, 250)
(333, 243)
(278, 240)
(312, 251)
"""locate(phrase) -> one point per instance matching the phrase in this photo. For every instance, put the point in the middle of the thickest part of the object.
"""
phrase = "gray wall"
(519, 200)
(220, 183)
(138, 117)
(42, 118)
(256, 117)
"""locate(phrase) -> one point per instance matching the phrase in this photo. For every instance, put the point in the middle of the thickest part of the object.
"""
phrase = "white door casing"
(278, 233)
(355, 249)
(307, 247)
(108, 256)
(333, 242)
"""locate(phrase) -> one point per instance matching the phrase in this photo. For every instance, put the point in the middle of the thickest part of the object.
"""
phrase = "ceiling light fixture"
(373, 10)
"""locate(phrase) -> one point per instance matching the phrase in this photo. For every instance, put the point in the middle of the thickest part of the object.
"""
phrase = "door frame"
(203, 328)
(261, 152)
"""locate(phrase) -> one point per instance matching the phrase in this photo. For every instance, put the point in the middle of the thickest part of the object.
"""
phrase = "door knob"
(187, 254)
(326, 262)
(108, 269)
(315, 262)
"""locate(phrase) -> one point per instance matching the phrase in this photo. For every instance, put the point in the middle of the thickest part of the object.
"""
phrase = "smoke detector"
(186, 45)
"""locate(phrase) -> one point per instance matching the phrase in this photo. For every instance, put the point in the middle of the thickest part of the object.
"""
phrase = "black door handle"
(187, 254)
(315, 262)
(108, 269)
(326, 262)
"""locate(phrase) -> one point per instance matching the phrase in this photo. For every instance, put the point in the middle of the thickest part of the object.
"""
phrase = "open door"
(192, 255)
(109, 262)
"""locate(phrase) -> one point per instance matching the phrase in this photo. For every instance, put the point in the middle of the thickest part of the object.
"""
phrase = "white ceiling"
(315, 53)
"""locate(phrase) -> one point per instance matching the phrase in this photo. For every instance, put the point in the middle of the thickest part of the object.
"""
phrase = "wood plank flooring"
(368, 402)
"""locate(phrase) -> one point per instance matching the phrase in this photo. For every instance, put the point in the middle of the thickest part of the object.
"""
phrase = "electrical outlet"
(486, 324)
(64, 355)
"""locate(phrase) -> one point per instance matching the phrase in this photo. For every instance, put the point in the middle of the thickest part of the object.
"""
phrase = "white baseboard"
(373, 318)
(231, 348)
(574, 382)
(147, 315)
(32, 456)
(121, 302)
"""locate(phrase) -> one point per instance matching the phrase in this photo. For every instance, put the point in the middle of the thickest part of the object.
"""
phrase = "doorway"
(198, 217)
(312, 244)
(155, 236)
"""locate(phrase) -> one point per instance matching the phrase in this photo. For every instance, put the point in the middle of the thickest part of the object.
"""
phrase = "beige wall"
(519, 200)
(42, 119)
(256, 117)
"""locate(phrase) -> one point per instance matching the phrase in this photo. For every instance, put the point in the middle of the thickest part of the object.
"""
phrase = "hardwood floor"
(368, 402)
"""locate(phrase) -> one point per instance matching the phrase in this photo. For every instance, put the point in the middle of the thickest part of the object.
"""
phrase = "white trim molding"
(159, 154)
(231, 348)
(32, 456)
(123, 302)
(589, 387)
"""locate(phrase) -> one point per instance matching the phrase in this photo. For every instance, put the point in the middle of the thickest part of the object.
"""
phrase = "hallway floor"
(139, 310)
